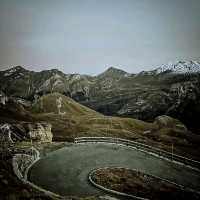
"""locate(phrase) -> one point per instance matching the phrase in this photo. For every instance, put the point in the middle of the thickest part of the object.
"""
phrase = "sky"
(88, 36)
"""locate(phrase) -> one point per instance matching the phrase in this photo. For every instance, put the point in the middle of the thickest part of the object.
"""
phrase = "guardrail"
(21, 164)
(143, 147)
(110, 190)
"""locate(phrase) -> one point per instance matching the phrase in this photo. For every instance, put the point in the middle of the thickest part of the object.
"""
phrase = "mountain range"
(39, 107)
(172, 89)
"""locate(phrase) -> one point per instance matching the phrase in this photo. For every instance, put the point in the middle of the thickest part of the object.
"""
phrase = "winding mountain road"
(66, 170)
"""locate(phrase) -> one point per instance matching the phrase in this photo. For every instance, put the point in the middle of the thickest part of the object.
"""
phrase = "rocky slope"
(171, 89)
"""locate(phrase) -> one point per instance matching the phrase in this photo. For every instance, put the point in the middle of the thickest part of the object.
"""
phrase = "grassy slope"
(79, 120)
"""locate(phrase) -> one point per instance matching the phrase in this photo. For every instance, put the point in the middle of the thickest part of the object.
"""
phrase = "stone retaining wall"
(22, 163)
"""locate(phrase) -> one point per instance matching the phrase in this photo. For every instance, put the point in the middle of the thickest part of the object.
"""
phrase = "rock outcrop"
(39, 132)
(11, 133)
(169, 122)
(3, 98)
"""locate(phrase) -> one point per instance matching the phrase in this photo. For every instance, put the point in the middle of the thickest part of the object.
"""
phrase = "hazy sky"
(87, 36)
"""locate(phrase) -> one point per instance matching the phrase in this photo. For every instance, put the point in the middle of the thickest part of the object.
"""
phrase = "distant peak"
(54, 70)
(112, 68)
(113, 71)
(17, 68)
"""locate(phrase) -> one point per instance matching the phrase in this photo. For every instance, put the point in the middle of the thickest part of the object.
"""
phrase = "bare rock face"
(3, 98)
(5, 133)
(11, 133)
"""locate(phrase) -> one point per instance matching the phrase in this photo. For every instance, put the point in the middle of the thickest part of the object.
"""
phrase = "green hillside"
(48, 104)
(75, 119)
(72, 120)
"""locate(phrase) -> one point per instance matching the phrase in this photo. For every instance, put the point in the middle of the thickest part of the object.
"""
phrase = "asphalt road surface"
(66, 170)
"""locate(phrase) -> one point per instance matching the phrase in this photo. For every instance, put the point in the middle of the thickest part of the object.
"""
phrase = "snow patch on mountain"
(180, 67)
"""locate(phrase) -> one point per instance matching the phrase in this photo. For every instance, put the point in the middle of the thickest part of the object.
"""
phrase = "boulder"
(169, 122)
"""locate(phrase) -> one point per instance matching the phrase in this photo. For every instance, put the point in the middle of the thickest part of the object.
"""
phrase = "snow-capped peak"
(180, 67)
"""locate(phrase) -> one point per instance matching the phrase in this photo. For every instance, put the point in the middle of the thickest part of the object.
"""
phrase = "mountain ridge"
(115, 92)
(189, 65)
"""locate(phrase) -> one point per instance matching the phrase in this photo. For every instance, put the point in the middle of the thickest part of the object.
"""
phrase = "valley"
(48, 110)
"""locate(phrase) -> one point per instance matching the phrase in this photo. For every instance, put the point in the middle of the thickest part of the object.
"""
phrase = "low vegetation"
(139, 184)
